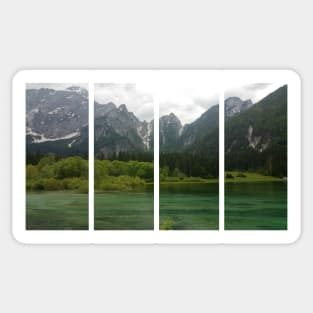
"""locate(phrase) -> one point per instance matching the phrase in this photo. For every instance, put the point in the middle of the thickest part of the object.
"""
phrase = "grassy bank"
(248, 177)
(230, 177)
(188, 180)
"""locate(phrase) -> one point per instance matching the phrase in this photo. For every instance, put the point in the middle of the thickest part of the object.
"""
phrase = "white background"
(167, 34)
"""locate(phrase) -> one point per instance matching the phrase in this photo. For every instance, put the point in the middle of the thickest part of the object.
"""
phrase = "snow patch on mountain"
(39, 138)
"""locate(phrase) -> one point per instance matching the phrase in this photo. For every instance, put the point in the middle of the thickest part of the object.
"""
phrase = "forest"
(182, 165)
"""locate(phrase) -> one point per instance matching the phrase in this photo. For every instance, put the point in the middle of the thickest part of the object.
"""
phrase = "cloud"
(188, 103)
(255, 92)
(138, 101)
(54, 86)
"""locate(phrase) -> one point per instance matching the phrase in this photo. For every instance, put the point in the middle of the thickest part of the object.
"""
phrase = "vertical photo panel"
(123, 146)
(189, 157)
(256, 157)
(56, 157)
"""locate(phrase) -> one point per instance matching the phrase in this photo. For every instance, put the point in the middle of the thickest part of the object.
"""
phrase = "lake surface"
(194, 206)
(256, 206)
(187, 206)
(56, 210)
(124, 210)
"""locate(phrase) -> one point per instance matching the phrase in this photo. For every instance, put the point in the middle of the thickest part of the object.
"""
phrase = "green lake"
(189, 206)
(56, 210)
(122, 210)
(256, 206)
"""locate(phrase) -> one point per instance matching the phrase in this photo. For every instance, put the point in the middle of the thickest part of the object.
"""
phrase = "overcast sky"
(187, 103)
(254, 92)
(55, 86)
(137, 100)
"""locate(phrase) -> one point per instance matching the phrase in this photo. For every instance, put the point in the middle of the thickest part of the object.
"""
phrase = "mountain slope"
(257, 138)
(170, 131)
(57, 122)
(174, 137)
(118, 130)
(193, 133)
(55, 114)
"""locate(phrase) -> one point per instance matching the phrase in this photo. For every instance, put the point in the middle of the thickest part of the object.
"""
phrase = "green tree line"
(186, 164)
(121, 175)
(51, 173)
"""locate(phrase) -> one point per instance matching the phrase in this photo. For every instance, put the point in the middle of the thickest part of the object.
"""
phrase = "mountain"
(53, 115)
(255, 134)
(170, 129)
(57, 122)
(235, 106)
(196, 131)
(118, 130)
(175, 137)
(257, 138)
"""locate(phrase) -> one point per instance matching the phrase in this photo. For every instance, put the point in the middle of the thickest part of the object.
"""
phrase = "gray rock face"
(118, 130)
(58, 115)
(170, 131)
(102, 110)
(53, 115)
(62, 116)
(174, 137)
(235, 105)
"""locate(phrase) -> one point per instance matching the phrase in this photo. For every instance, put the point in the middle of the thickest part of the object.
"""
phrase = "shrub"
(71, 183)
(48, 160)
(241, 175)
(38, 185)
(72, 167)
(120, 183)
(52, 184)
(229, 175)
(83, 186)
(32, 172)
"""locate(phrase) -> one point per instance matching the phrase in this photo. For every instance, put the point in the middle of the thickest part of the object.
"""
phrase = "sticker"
(156, 156)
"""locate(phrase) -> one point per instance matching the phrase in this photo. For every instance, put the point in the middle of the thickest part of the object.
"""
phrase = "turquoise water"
(256, 206)
(194, 206)
(124, 210)
(56, 210)
(187, 206)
